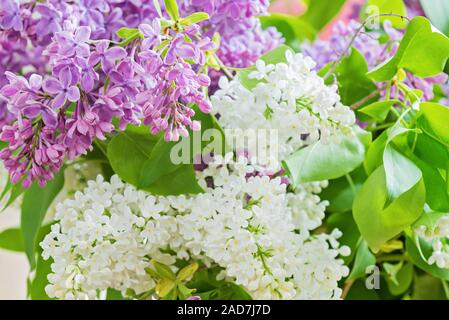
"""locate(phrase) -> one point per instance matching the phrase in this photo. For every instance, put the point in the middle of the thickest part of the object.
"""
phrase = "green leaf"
(433, 121)
(379, 110)
(187, 271)
(35, 204)
(14, 191)
(114, 295)
(164, 287)
(359, 291)
(194, 18)
(11, 239)
(353, 83)
(363, 259)
(415, 257)
(323, 161)
(346, 224)
(320, 13)
(36, 287)
(423, 51)
(375, 152)
(163, 271)
(158, 163)
(437, 196)
(294, 30)
(181, 181)
(127, 33)
(387, 7)
(209, 288)
(128, 151)
(400, 277)
(436, 11)
(172, 9)
(340, 193)
(272, 57)
(378, 224)
(426, 287)
(431, 151)
(401, 173)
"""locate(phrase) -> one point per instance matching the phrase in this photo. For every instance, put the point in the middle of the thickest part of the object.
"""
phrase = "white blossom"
(438, 236)
(289, 98)
(249, 225)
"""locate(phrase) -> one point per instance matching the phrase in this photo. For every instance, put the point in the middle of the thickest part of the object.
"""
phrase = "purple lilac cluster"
(374, 51)
(156, 77)
(243, 40)
(26, 29)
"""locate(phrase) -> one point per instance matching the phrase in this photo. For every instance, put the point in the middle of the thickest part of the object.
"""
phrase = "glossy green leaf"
(35, 204)
(378, 224)
(378, 111)
(437, 196)
(36, 287)
(363, 259)
(431, 151)
(426, 287)
(433, 121)
(401, 173)
(426, 249)
(423, 51)
(353, 83)
(399, 278)
(323, 161)
(194, 18)
(436, 11)
(127, 33)
(172, 9)
(12, 240)
(293, 29)
(320, 13)
(128, 151)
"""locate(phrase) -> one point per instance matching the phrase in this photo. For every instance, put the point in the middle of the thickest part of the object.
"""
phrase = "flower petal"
(52, 86)
(73, 94)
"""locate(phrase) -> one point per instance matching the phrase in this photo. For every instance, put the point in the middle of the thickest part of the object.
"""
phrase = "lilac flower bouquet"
(213, 149)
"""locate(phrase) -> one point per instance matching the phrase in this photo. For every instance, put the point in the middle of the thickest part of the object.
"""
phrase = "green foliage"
(378, 223)
(399, 277)
(296, 29)
(322, 161)
(416, 250)
(35, 204)
(293, 29)
(353, 83)
(436, 11)
(433, 121)
(423, 51)
(363, 259)
(378, 111)
(11, 239)
(172, 9)
(209, 288)
(320, 13)
(194, 18)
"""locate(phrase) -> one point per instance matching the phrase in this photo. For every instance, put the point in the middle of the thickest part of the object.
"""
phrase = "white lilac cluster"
(289, 98)
(438, 235)
(246, 225)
